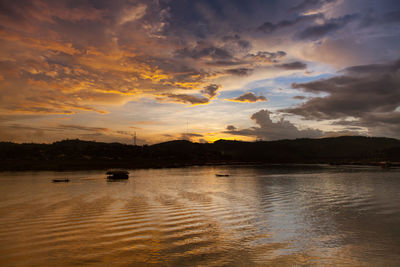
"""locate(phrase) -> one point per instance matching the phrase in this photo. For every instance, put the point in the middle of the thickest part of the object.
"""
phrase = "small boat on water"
(117, 175)
(222, 175)
(389, 165)
(60, 180)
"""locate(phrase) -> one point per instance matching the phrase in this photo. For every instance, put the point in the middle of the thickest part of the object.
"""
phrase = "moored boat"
(60, 180)
(117, 175)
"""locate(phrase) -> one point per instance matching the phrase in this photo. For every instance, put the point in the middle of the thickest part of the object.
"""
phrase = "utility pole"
(134, 139)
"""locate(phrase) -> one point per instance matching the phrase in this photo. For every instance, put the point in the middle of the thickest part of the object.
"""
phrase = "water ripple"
(193, 218)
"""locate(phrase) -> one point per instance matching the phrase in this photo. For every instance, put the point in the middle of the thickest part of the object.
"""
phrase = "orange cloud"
(36, 43)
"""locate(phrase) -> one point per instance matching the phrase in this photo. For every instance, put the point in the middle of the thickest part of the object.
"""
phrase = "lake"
(258, 216)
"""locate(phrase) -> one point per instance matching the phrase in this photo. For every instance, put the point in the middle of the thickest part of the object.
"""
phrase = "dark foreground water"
(188, 216)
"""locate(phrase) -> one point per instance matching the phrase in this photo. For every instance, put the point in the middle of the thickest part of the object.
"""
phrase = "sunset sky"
(199, 70)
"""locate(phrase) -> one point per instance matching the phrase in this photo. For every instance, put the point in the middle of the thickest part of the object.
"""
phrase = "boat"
(389, 164)
(222, 175)
(117, 175)
(60, 180)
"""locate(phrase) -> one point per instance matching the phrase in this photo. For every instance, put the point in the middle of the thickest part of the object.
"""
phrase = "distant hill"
(77, 154)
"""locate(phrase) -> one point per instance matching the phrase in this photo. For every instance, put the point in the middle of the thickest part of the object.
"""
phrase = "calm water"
(188, 216)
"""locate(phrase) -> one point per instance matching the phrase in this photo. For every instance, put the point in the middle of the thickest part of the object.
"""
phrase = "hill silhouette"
(78, 154)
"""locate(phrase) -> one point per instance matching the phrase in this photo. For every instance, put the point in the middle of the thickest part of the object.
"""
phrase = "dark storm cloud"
(225, 63)
(393, 16)
(239, 71)
(330, 26)
(373, 69)
(247, 60)
(210, 90)
(299, 97)
(269, 130)
(202, 51)
(203, 18)
(268, 57)
(269, 27)
(296, 65)
(248, 97)
(370, 93)
(237, 39)
(385, 19)
(369, 88)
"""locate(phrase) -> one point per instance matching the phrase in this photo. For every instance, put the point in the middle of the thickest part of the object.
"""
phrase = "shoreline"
(87, 155)
(88, 166)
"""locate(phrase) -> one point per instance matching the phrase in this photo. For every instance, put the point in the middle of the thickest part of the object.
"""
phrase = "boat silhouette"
(60, 180)
(117, 175)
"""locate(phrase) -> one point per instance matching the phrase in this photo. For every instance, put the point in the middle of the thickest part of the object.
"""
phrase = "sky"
(199, 70)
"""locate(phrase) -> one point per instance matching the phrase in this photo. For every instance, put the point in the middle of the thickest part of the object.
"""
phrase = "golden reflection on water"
(188, 216)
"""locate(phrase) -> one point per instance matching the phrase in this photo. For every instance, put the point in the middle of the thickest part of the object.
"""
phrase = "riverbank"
(87, 155)
(105, 165)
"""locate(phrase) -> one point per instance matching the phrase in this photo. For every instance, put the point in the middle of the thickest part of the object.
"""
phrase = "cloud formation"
(267, 57)
(269, 130)
(208, 93)
(239, 71)
(187, 99)
(317, 31)
(210, 90)
(203, 51)
(248, 97)
(369, 93)
(296, 65)
(269, 27)
(94, 60)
